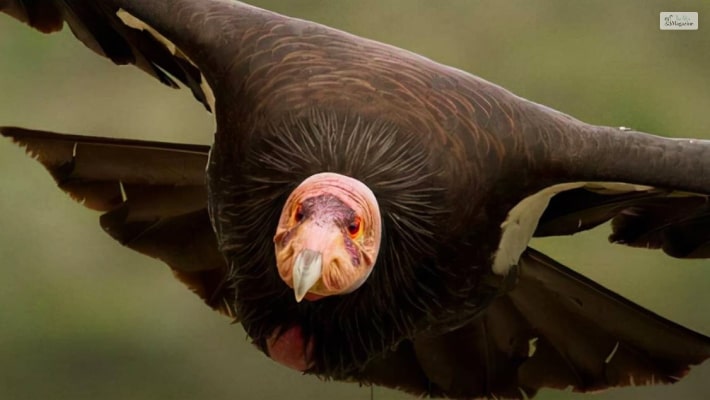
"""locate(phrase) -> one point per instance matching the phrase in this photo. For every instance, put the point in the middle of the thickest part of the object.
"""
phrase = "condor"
(365, 212)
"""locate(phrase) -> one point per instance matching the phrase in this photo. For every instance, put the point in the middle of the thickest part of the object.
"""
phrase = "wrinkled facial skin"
(328, 236)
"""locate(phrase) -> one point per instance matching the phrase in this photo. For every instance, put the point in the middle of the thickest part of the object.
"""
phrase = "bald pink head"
(328, 236)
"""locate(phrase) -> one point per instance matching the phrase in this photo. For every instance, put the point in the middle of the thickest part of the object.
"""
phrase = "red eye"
(298, 214)
(355, 228)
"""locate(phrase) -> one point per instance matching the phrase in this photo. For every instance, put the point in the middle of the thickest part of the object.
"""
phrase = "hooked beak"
(307, 270)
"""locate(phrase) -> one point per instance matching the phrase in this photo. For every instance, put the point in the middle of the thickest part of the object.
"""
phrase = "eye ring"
(355, 227)
(298, 214)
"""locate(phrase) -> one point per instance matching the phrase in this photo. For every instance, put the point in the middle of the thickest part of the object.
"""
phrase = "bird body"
(455, 174)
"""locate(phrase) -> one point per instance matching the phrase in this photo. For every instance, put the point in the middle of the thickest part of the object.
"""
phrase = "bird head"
(328, 236)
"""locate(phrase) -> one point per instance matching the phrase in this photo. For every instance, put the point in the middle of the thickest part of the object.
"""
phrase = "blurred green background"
(84, 318)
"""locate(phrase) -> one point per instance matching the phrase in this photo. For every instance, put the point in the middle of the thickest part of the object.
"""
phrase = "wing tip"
(11, 131)
(17, 133)
(46, 17)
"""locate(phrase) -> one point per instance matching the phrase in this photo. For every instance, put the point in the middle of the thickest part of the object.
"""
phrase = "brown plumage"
(447, 155)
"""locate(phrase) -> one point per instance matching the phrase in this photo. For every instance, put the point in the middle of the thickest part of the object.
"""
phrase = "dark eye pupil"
(354, 227)
(298, 216)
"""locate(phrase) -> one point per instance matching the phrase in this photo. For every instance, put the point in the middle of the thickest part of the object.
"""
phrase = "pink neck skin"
(355, 195)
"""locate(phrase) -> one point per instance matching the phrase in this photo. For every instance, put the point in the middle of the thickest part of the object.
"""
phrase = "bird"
(366, 212)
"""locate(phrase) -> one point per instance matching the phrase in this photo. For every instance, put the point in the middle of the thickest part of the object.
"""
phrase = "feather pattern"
(447, 155)
(250, 206)
(152, 196)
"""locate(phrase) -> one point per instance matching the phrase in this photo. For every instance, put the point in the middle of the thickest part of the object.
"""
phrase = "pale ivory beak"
(307, 270)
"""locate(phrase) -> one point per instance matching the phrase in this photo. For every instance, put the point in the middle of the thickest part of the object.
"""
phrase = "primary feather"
(448, 156)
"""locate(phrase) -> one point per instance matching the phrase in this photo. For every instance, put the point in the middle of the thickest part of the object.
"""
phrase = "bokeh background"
(83, 318)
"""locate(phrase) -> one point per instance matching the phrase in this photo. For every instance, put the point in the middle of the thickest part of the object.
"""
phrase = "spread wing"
(114, 35)
(678, 223)
(558, 329)
(152, 197)
(555, 329)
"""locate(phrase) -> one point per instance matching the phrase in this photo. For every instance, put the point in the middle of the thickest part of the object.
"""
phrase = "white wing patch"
(136, 23)
(522, 220)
